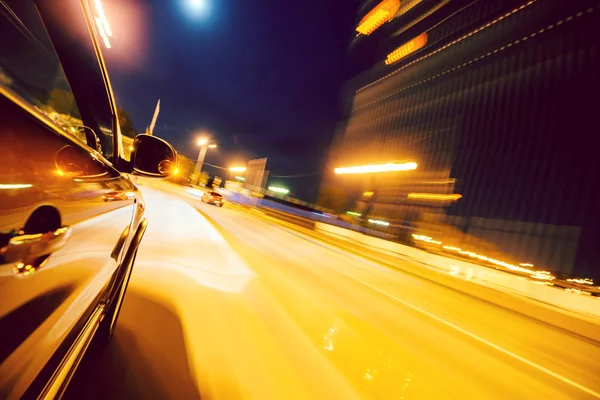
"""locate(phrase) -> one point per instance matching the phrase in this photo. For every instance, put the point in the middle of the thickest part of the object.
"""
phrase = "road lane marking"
(435, 317)
(480, 339)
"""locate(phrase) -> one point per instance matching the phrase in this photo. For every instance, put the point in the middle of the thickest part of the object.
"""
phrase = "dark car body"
(71, 220)
(215, 198)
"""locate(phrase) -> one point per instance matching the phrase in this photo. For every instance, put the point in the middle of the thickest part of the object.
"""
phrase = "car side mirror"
(153, 156)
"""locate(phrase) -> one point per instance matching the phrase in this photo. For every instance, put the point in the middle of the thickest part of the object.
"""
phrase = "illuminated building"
(495, 101)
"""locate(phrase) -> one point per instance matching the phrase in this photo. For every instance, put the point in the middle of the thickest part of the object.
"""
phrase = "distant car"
(213, 198)
(71, 219)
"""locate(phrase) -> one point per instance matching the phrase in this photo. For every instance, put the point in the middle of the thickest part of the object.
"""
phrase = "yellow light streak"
(433, 196)
(365, 169)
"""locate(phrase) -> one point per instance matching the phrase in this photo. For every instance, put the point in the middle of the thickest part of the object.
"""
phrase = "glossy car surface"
(213, 197)
(70, 221)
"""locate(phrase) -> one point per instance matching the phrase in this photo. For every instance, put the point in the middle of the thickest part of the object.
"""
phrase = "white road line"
(480, 339)
(441, 320)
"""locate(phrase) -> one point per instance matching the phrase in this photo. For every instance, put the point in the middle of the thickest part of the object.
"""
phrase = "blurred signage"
(256, 176)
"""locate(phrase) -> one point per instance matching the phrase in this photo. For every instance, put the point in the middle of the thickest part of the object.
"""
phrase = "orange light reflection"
(406, 49)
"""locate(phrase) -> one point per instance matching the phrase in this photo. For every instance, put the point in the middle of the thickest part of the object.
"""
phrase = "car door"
(65, 213)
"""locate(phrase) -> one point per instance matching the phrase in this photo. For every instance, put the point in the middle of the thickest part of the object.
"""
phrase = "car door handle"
(32, 249)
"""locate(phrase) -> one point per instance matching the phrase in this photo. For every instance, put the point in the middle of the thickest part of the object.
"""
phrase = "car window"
(30, 68)
(216, 194)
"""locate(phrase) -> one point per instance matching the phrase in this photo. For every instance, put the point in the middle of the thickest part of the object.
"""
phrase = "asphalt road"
(225, 304)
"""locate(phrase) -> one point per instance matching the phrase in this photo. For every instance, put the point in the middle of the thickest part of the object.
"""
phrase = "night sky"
(262, 76)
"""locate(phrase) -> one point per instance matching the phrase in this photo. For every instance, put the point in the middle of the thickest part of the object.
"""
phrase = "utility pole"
(201, 155)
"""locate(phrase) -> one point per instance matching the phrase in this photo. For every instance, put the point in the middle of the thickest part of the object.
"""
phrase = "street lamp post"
(204, 146)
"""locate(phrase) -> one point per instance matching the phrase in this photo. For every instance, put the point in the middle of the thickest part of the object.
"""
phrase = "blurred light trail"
(480, 257)
(102, 16)
(354, 214)
(102, 33)
(406, 49)
(433, 196)
(102, 24)
(240, 178)
(212, 146)
(543, 275)
(365, 169)
(368, 194)
(237, 169)
(583, 281)
(10, 186)
(278, 189)
(379, 222)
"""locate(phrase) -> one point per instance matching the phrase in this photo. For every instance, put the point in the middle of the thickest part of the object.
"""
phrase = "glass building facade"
(496, 101)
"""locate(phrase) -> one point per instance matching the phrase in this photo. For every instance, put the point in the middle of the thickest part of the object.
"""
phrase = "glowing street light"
(196, 9)
(202, 142)
(237, 169)
(366, 169)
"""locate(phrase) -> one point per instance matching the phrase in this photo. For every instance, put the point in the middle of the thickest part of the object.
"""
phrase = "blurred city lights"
(536, 274)
(9, 186)
(354, 214)
(240, 178)
(202, 142)
(379, 222)
(368, 194)
(365, 169)
(278, 189)
(433, 196)
(583, 281)
(237, 169)
(212, 146)
(526, 265)
(543, 275)
(406, 49)
(379, 15)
